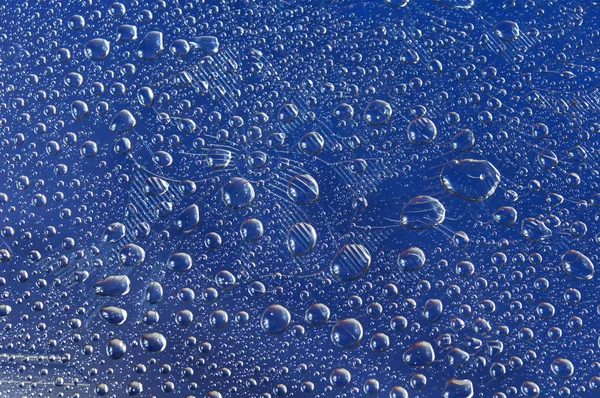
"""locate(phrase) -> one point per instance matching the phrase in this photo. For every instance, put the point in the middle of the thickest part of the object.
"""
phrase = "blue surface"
(326, 199)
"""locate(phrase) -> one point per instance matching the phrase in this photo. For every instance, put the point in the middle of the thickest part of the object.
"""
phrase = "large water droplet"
(347, 333)
(351, 262)
(153, 342)
(419, 354)
(578, 265)
(303, 189)
(422, 131)
(151, 46)
(123, 121)
(96, 49)
(275, 319)
(470, 179)
(422, 212)
(237, 193)
(507, 30)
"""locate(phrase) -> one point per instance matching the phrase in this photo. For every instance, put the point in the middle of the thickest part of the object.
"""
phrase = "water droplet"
(470, 179)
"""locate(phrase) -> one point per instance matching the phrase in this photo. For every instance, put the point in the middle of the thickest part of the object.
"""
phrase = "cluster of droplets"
(223, 199)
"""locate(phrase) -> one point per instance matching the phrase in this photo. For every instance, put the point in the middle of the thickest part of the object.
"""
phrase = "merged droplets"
(208, 44)
(535, 230)
(151, 46)
(458, 388)
(114, 232)
(126, 33)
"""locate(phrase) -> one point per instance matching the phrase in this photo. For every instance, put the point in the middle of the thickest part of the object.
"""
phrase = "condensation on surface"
(390, 198)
